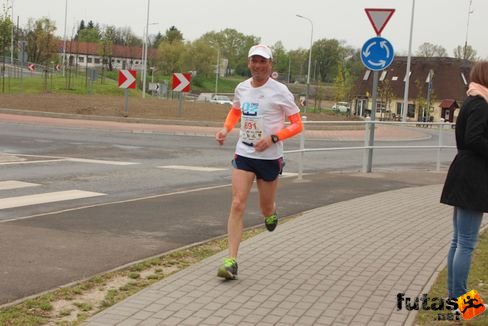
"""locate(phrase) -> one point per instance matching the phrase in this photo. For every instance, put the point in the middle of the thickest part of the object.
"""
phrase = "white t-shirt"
(263, 112)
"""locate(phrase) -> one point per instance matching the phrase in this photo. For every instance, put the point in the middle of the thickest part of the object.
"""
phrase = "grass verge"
(478, 280)
(74, 304)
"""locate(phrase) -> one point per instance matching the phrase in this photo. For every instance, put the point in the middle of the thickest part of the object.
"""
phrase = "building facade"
(95, 55)
(432, 81)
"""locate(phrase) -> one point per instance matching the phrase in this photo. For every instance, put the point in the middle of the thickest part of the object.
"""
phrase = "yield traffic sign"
(379, 18)
(181, 82)
(127, 78)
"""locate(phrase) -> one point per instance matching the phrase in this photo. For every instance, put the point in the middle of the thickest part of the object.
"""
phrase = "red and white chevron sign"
(181, 82)
(31, 66)
(127, 78)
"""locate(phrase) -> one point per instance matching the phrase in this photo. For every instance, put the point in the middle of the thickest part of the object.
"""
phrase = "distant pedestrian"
(261, 103)
(466, 185)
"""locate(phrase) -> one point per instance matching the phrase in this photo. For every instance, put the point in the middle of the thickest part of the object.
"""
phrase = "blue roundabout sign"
(377, 53)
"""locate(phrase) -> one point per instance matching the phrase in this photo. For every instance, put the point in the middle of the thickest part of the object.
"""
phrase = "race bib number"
(251, 129)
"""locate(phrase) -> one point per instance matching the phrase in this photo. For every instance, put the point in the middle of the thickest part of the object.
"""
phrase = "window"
(411, 110)
(89, 60)
(81, 59)
(380, 106)
(97, 60)
(399, 108)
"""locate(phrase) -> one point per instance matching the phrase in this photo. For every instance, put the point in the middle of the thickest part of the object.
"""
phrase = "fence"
(369, 141)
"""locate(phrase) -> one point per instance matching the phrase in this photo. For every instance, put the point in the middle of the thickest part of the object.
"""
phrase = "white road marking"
(13, 184)
(44, 198)
(32, 162)
(289, 174)
(191, 168)
(182, 192)
(84, 160)
(49, 159)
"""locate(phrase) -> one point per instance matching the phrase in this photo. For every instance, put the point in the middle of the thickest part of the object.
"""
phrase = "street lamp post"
(467, 29)
(217, 72)
(64, 36)
(307, 94)
(407, 73)
(12, 37)
(144, 71)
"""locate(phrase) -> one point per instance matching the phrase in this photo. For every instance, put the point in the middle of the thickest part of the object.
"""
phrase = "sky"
(447, 23)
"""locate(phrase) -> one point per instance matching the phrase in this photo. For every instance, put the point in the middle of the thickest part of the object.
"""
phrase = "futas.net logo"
(471, 305)
(467, 306)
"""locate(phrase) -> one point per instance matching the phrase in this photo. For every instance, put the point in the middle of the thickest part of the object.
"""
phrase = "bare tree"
(431, 50)
(465, 52)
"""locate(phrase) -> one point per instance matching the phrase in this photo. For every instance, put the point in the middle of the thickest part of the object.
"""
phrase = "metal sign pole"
(373, 120)
(126, 105)
(180, 103)
(376, 54)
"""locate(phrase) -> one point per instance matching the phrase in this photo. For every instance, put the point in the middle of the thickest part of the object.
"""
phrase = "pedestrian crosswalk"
(13, 184)
(44, 198)
(192, 168)
(20, 159)
(21, 193)
(38, 198)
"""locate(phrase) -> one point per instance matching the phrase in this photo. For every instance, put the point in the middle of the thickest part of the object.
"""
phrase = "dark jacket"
(466, 183)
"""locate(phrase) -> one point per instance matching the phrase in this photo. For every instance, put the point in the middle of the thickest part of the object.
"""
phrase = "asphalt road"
(145, 206)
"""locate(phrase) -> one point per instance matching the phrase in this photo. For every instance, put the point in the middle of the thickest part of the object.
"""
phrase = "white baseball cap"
(261, 50)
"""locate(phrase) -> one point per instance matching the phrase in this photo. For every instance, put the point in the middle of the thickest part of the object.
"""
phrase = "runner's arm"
(232, 118)
(294, 128)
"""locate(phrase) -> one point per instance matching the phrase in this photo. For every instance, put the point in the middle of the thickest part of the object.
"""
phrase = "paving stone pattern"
(341, 264)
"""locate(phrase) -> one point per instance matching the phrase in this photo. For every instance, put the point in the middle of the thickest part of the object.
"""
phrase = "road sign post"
(376, 54)
(181, 83)
(127, 79)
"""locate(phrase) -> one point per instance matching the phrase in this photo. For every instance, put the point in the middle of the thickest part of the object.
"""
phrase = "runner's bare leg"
(267, 195)
(241, 187)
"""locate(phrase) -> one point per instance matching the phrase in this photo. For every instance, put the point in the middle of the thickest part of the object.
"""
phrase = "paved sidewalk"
(342, 264)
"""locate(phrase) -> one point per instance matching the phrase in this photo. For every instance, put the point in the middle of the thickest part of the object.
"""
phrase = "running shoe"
(271, 222)
(228, 270)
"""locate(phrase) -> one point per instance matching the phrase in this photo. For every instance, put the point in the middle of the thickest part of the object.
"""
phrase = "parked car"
(205, 97)
(221, 99)
(342, 107)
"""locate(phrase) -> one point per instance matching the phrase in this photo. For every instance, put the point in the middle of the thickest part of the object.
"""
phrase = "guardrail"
(369, 141)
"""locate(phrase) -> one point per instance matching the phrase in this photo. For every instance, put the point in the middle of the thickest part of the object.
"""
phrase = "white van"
(221, 99)
(342, 107)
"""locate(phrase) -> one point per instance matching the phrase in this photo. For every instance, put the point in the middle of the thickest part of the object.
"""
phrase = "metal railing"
(369, 141)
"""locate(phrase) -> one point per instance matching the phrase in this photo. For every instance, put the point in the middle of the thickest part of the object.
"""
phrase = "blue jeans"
(466, 225)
